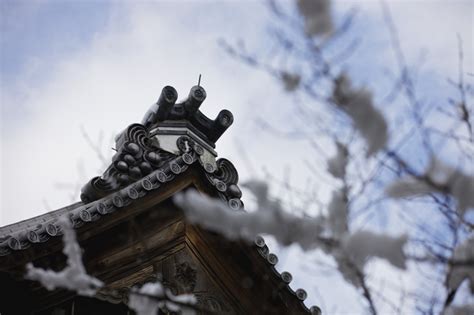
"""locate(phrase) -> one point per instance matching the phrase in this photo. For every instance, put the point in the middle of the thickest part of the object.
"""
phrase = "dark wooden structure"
(132, 233)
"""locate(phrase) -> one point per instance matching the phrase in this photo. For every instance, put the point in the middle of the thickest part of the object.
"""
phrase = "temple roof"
(172, 148)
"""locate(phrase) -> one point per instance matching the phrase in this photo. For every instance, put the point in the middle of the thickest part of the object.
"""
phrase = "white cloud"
(112, 80)
(107, 85)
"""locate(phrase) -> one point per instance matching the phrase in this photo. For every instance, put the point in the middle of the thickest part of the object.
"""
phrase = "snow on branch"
(338, 211)
(338, 163)
(362, 245)
(309, 233)
(216, 216)
(356, 249)
(153, 296)
(358, 105)
(460, 272)
(438, 178)
(291, 81)
(467, 309)
(74, 277)
(317, 16)
(329, 233)
(338, 214)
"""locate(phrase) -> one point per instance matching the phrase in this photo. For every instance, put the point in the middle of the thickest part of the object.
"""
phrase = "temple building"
(132, 233)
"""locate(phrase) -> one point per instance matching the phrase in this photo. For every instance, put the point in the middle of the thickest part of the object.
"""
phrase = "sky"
(94, 67)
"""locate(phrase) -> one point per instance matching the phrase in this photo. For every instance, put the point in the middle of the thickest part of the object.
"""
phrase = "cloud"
(107, 84)
(113, 75)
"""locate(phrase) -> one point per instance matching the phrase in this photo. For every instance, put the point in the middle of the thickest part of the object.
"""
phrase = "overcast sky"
(68, 66)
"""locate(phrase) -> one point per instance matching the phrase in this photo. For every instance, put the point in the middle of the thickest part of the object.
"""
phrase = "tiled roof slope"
(145, 160)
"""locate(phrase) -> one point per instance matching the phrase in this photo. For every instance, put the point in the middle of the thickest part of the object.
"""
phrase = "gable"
(132, 233)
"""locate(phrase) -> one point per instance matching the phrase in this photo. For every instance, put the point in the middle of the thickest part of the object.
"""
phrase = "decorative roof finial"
(166, 112)
(168, 130)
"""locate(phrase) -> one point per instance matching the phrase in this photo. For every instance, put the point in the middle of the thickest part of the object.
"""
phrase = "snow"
(338, 208)
(462, 253)
(337, 214)
(460, 310)
(145, 305)
(360, 246)
(260, 191)
(291, 81)
(350, 250)
(270, 218)
(358, 105)
(459, 185)
(317, 16)
(153, 296)
(74, 277)
(408, 187)
(337, 164)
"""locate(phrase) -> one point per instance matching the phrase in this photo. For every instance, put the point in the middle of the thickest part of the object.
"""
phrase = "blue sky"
(46, 30)
(99, 65)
